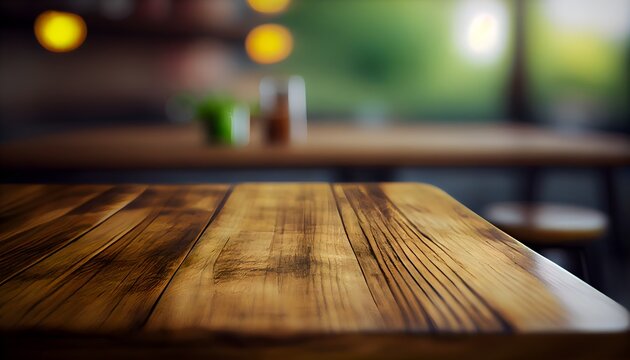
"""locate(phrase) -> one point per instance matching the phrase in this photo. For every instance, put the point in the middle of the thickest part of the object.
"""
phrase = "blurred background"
(555, 64)
(415, 60)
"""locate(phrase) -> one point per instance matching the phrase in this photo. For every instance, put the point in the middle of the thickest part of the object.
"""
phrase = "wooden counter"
(288, 269)
(328, 145)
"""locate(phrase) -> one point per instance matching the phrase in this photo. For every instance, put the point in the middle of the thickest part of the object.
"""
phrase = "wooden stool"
(545, 226)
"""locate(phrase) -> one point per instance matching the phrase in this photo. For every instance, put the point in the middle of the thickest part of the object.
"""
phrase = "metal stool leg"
(583, 266)
(593, 266)
(577, 264)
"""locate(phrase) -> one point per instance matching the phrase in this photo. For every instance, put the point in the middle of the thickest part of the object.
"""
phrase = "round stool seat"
(548, 224)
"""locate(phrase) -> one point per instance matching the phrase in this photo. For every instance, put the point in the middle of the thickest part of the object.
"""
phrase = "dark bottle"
(283, 110)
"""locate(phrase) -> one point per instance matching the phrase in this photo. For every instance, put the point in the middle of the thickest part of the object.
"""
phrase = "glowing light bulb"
(269, 43)
(269, 6)
(483, 33)
(60, 31)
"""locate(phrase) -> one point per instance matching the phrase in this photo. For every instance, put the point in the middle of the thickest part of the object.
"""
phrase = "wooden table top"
(328, 145)
(275, 261)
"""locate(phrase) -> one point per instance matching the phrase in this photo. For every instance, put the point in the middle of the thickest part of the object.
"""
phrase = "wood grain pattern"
(54, 202)
(19, 251)
(117, 288)
(31, 286)
(275, 260)
(527, 290)
(14, 195)
(281, 261)
(429, 290)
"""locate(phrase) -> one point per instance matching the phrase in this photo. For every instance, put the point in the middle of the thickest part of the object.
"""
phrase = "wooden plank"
(18, 198)
(26, 248)
(14, 195)
(404, 270)
(276, 261)
(52, 203)
(527, 290)
(26, 289)
(115, 290)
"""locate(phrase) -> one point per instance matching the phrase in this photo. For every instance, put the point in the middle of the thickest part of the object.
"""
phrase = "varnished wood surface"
(328, 145)
(281, 262)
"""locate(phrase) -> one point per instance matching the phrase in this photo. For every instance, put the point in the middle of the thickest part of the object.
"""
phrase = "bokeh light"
(59, 31)
(269, 43)
(483, 33)
(481, 29)
(269, 6)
